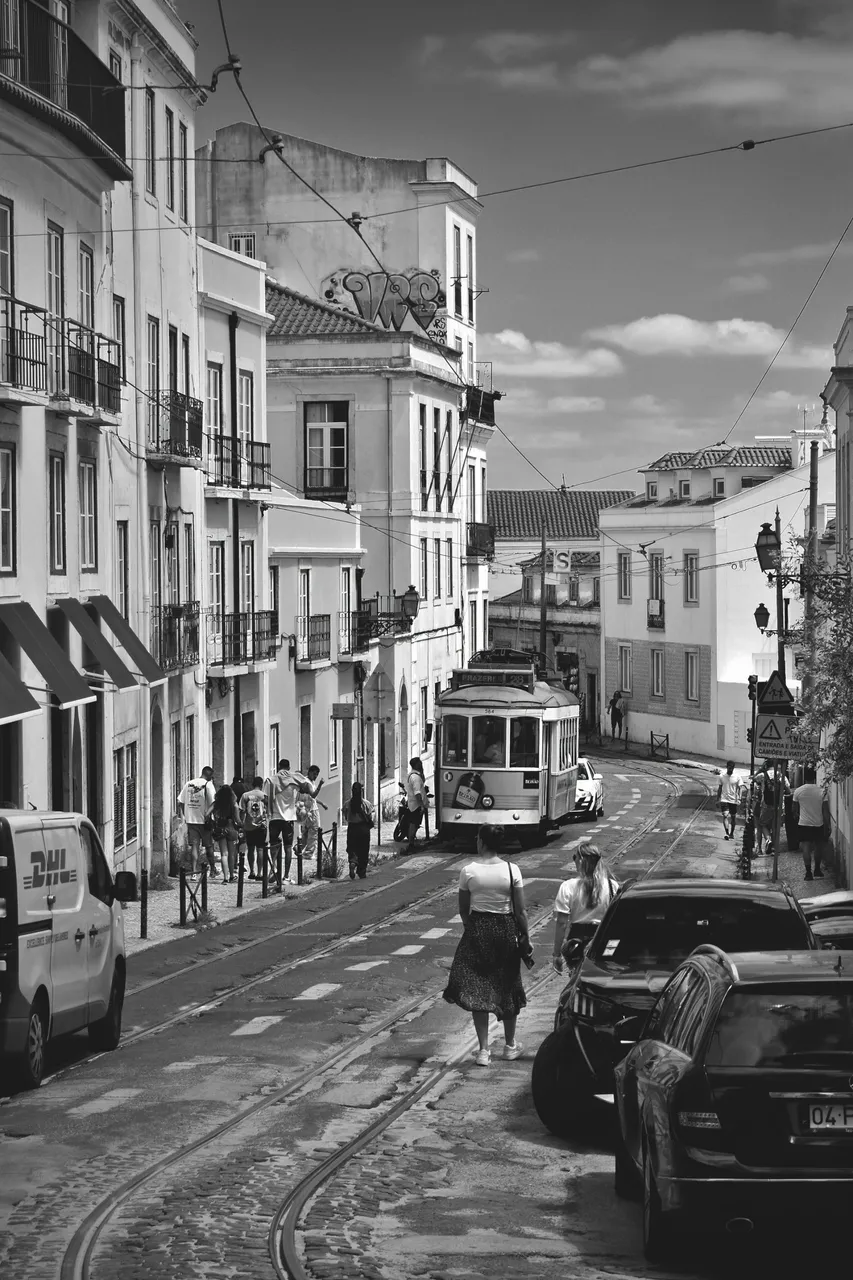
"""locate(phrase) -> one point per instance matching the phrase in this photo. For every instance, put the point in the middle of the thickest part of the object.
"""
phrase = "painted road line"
(623, 777)
(191, 1063)
(106, 1102)
(407, 951)
(365, 965)
(319, 990)
(258, 1025)
(437, 933)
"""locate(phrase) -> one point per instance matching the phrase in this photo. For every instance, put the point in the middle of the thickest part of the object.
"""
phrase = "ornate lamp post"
(768, 548)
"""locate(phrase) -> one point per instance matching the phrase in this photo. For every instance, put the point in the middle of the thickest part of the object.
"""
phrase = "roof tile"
(565, 513)
(739, 455)
(298, 316)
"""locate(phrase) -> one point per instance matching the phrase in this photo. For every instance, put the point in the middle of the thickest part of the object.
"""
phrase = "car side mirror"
(124, 887)
(596, 777)
(826, 945)
(573, 949)
(628, 1030)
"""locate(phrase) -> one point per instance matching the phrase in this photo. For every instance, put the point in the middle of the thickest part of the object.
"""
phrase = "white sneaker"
(483, 1058)
(513, 1050)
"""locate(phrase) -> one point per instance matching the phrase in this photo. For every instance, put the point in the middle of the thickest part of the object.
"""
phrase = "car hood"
(637, 988)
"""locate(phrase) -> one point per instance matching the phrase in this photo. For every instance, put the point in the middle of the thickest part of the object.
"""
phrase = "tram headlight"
(487, 801)
(448, 776)
(515, 817)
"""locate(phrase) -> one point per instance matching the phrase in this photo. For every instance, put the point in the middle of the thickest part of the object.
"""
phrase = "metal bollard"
(143, 903)
(182, 874)
(299, 879)
(278, 857)
(241, 871)
(334, 851)
(320, 854)
(265, 871)
(204, 887)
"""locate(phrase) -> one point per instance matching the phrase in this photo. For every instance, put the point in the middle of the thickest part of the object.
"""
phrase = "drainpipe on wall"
(233, 322)
(142, 559)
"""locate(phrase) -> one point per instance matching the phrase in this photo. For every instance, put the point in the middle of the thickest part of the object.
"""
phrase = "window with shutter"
(118, 797)
(130, 790)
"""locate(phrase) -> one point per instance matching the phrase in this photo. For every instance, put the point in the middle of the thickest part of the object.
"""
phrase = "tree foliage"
(828, 667)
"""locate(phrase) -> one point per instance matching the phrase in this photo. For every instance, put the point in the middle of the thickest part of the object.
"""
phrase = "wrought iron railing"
(244, 465)
(480, 404)
(480, 541)
(313, 637)
(353, 631)
(380, 616)
(175, 634)
(235, 639)
(175, 425)
(44, 55)
(53, 356)
(326, 482)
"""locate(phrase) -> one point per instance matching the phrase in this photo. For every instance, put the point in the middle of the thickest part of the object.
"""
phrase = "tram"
(506, 748)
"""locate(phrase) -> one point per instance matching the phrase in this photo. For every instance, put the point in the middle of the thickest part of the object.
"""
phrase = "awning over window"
(16, 701)
(62, 678)
(128, 639)
(103, 652)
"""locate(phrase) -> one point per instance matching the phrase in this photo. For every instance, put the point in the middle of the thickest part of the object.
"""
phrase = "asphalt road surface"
(310, 1042)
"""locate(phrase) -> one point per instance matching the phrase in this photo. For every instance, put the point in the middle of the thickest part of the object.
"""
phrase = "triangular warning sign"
(770, 733)
(775, 693)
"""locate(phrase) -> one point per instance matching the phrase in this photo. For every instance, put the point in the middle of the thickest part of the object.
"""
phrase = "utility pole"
(811, 560)
(543, 609)
(779, 766)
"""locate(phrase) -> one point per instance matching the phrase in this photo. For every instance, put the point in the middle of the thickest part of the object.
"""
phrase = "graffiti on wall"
(389, 299)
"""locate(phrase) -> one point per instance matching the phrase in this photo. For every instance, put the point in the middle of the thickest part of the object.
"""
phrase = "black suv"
(736, 1105)
(648, 929)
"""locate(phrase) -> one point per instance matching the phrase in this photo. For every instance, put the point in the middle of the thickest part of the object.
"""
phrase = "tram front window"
(524, 743)
(454, 732)
(489, 741)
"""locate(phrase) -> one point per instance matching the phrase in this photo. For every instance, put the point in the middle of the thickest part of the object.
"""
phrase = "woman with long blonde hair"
(582, 899)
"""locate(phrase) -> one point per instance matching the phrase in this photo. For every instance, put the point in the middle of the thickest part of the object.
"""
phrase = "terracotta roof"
(739, 455)
(298, 316)
(565, 513)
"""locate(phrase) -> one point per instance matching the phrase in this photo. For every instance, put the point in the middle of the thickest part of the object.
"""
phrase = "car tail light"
(697, 1120)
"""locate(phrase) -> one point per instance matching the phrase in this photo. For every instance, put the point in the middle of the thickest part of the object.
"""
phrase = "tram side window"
(565, 759)
(455, 734)
(524, 743)
(489, 740)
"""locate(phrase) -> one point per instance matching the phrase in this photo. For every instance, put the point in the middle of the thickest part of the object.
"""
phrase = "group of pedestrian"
(767, 791)
(238, 819)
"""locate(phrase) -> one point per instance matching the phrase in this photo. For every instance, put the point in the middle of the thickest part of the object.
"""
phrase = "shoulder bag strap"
(512, 893)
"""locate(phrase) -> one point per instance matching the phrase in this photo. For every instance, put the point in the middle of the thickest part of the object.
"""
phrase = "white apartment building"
(680, 583)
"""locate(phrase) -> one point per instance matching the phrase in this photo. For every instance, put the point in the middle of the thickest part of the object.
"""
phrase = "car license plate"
(831, 1116)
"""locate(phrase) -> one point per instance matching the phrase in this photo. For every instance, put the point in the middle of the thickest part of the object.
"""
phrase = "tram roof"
(508, 697)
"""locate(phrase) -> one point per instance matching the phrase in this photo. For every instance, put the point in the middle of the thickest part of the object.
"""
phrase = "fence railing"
(52, 355)
(175, 635)
(234, 639)
(244, 465)
(175, 425)
(313, 637)
(353, 632)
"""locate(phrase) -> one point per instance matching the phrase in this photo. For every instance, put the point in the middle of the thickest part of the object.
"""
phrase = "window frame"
(436, 569)
(448, 721)
(120, 332)
(457, 270)
(691, 666)
(625, 667)
(57, 535)
(245, 407)
(470, 266)
(651, 490)
(241, 241)
(153, 374)
(9, 542)
(169, 117)
(7, 253)
(336, 487)
(691, 578)
(189, 561)
(122, 568)
(436, 456)
(422, 455)
(87, 497)
(116, 65)
(86, 286)
(424, 568)
(657, 569)
(684, 488)
(657, 678)
(719, 486)
(213, 397)
(183, 171)
(150, 141)
(448, 553)
(623, 575)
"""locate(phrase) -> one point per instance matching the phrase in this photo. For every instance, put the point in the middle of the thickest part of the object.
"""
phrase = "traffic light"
(749, 735)
(752, 688)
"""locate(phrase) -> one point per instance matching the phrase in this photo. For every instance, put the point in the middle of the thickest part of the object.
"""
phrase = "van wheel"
(106, 1033)
(32, 1060)
(560, 1083)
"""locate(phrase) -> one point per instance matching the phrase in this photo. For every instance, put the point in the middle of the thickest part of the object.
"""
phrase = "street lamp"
(768, 548)
(762, 618)
(410, 602)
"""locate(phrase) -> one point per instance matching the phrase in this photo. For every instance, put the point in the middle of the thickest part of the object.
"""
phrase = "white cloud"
(523, 255)
(647, 403)
(536, 77)
(755, 282)
(681, 335)
(431, 47)
(575, 404)
(773, 76)
(513, 354)
(794, 253)
(502, 47)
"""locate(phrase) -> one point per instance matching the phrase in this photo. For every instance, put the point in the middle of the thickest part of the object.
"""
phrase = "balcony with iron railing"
(49, 72)
(244, 464)
(46, 355)
(383, 616)
(480, 397)
(313, 638)
(328, 484)
(175, 635)
(353, 632)
(241, 639)
(175, 428)
(479, 541)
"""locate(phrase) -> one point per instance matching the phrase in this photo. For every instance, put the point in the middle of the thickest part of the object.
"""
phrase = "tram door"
(559, 758)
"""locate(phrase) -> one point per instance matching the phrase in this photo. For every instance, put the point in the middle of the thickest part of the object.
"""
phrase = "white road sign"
(777, 738)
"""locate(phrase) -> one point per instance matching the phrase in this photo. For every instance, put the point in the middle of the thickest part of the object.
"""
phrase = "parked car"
(589, 796)
(648, 929)
(831, 918)
(736, 1104)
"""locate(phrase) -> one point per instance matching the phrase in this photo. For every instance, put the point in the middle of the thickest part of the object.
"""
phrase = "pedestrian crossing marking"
(257, 1025)
(106, 1102)
(365, 965)
(407, 951)
(318, 991)
(434, 933)
(191, 1063)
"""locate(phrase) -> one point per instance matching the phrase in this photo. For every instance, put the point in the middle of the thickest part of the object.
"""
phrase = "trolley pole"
(543, 611)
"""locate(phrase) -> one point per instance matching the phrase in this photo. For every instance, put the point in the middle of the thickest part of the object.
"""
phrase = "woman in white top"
(583, 898)
(485, 976)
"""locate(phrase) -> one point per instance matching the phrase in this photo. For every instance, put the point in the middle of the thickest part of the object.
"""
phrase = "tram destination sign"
(509, 679)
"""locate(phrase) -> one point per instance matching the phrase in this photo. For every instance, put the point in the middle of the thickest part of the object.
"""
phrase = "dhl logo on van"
(49, 869)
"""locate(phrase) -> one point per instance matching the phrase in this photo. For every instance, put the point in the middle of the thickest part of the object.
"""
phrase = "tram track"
(77, 1262)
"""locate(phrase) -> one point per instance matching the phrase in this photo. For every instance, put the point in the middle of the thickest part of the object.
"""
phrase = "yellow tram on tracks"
(506, 749)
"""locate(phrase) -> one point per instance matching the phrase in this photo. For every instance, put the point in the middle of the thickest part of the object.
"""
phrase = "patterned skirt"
(485, 976)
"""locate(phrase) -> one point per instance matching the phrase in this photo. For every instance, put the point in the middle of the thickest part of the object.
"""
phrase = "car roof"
(841, 898)
(790, 966)
(697, 887)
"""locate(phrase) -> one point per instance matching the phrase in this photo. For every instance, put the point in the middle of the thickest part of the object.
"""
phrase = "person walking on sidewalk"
(195, 804)
(358, 815)
(226, 831)
(283, 790)
(310, 818)
(767, 807)
(416, 799)
(485, 976)
(728, 798)
(811, 830)
(253, 816)
(582, 899)
(616, 707)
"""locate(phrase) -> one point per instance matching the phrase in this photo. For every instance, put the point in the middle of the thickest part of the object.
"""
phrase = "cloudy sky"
(626, 314)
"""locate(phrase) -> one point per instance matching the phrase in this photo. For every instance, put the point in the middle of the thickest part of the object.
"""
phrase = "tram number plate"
(531, 781)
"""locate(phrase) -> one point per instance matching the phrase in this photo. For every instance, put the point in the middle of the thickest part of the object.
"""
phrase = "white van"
(62, 952)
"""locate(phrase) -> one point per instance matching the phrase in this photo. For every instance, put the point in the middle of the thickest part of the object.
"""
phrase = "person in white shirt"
(416, 799)
(811, 830)
(728, 797)
(195, 804)
(485, 976)
(583, 899)
(283, 790)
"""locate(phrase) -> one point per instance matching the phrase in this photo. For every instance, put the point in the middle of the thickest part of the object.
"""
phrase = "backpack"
(256, 812)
